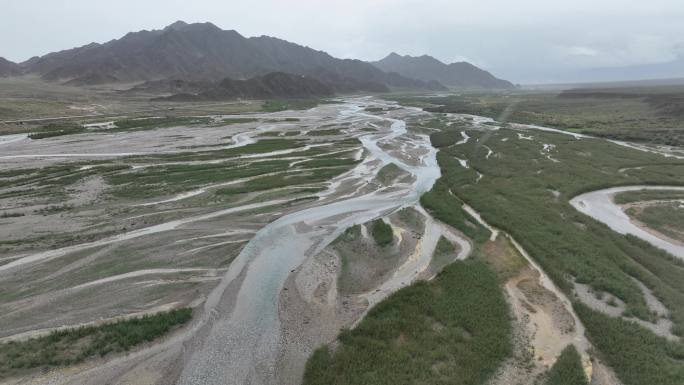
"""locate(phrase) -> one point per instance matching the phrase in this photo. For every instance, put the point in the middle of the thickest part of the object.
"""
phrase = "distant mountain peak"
(180, 24)
(397, 58)
(428, 68)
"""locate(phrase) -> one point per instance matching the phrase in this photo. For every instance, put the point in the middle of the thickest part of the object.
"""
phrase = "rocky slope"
(270, 86)
(8, 68)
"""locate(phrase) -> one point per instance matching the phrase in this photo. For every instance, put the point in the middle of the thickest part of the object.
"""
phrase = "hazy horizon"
(526, 42)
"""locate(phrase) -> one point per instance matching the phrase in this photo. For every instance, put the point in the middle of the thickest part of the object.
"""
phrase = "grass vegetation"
(49, 241)
(444, 247)
(647, 195)
(151, 123)
(325, 161)
(411, 218)
(237, 120)
(379, 109)
(517, 194)
(68, 347)
(25, 98)
(49, 182)
(260, 147)
(638, 356)
(289, 104)
(382, 233)
(444, 254)
(389, 174)
(164, 175)
(69, 128)
(52, 209)
(443, 139)
(453, 330)
(7, 214)
(568, 369)
(326, 132)
(161, 180)
(174, 178)
(270, 182)
(502, 257)
(666, 218)
(447, 208)
(56, 129)
(652, 115)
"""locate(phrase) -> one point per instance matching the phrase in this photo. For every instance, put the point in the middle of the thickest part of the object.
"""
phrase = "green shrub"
(382, 233)
(568, 369)
(444, 138)
(55, 129)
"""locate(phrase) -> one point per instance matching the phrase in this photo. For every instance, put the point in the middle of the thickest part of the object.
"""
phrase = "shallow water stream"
(600, 206)
(245, 338)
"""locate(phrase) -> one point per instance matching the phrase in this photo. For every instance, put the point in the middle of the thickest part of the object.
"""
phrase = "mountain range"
(8, 68)
(202, 51)
(427, 68)
(203, 54)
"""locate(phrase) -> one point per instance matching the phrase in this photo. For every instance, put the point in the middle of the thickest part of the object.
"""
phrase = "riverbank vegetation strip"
(452, 330)
(71, 346)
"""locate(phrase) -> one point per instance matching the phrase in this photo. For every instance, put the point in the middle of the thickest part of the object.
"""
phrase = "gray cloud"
(524, 40)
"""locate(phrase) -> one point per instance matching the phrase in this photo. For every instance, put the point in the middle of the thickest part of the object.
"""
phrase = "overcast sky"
(525, 41)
